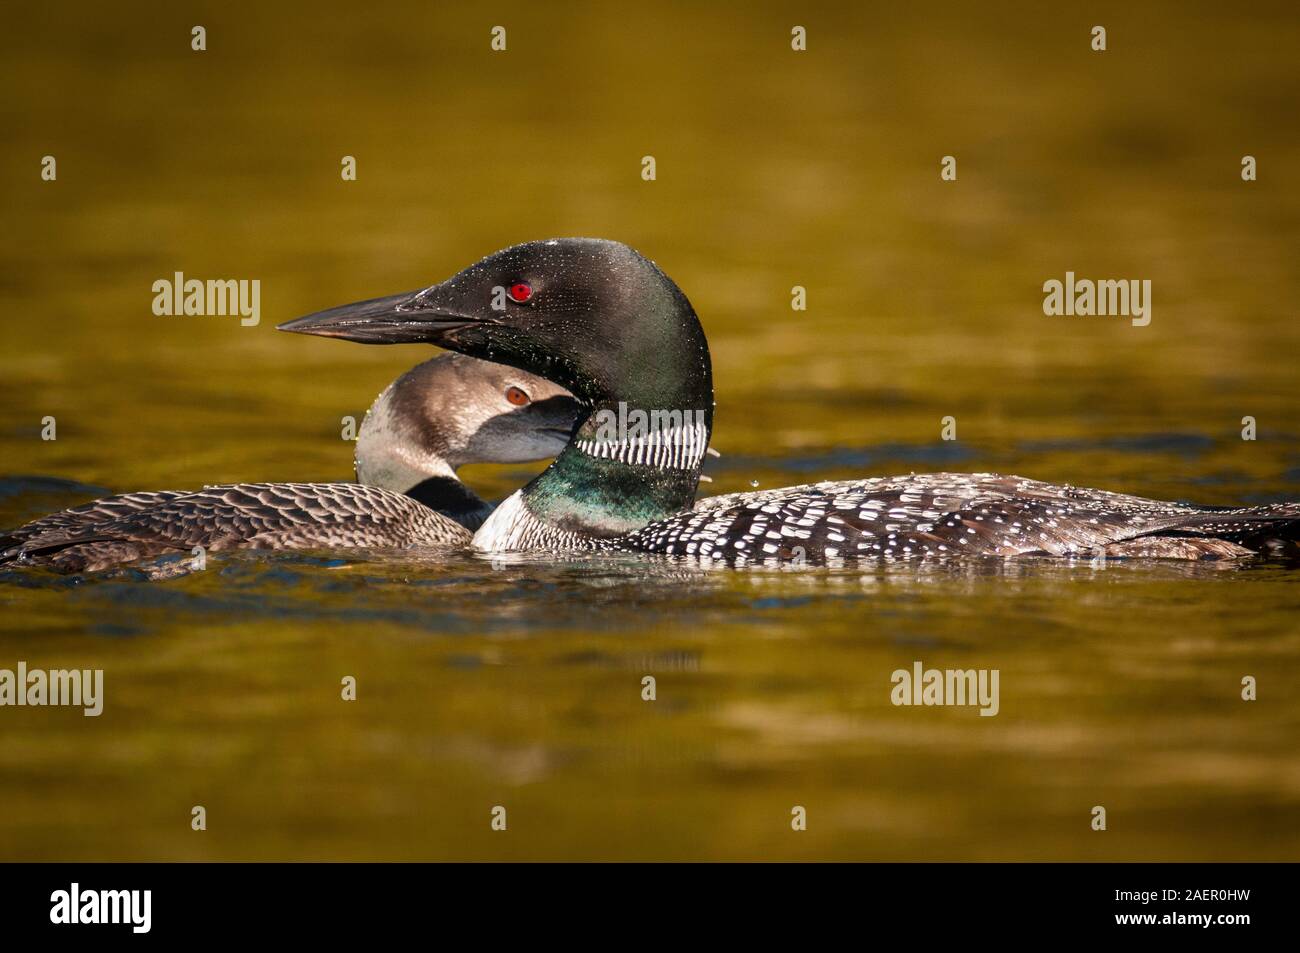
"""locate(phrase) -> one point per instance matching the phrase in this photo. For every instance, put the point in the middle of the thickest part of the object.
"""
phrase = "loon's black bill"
(396, 319)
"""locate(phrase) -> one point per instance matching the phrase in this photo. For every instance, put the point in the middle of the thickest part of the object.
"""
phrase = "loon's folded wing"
(235, 516)
(96, 511)
(940, 514)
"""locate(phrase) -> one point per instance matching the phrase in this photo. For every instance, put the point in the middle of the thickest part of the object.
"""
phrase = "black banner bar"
(170, 902)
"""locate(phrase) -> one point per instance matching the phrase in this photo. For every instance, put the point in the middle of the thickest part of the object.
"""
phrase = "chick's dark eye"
(517, 396)
(520, 292)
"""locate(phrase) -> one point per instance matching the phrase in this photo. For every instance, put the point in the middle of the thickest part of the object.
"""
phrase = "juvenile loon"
(598, 318)
(442, 414)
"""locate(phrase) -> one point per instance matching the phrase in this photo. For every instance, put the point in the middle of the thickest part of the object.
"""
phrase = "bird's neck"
(452, 499)
(636, 457)
(627, 465)
(396, 452)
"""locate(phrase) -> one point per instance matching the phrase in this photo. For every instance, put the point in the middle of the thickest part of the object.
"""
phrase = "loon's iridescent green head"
(591, 315)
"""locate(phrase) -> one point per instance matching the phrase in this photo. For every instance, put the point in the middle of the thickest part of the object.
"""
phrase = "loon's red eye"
(520, 292)
(517, 395)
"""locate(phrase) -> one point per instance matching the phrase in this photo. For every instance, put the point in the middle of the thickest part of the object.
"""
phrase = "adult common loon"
(444, 413)
(609, 325)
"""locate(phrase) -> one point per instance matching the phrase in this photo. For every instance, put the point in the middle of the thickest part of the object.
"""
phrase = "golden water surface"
(520, 684)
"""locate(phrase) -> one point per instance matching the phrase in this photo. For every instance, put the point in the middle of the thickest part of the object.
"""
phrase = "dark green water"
(519, 683)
